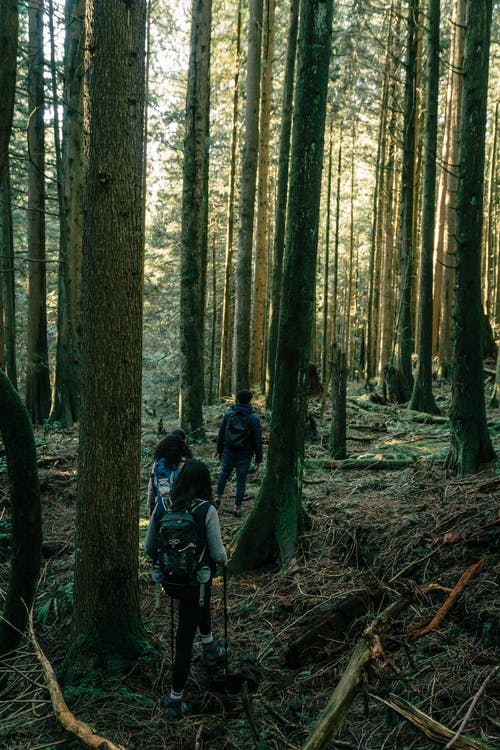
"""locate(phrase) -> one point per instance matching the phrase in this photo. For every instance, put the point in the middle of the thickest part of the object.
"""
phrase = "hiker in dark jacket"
(192, 492)
(239, 439)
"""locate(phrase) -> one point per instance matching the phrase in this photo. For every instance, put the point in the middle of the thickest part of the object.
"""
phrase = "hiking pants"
(232, 461)
(191, 617)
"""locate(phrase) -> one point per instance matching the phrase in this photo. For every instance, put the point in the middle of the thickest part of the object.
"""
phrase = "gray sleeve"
(151, 496)
(215, 544)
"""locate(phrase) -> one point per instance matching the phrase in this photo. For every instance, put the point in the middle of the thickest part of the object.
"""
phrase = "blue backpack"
(163, 480)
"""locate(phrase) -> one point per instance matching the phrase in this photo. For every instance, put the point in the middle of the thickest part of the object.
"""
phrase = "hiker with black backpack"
(239, 439)
(185, 544)
(169, 458)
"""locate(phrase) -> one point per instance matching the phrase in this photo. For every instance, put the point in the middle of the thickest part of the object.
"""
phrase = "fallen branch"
(67, 720)
(430, 727)
(449, 603)
(387, 464)
(454, 739)
(367, 649)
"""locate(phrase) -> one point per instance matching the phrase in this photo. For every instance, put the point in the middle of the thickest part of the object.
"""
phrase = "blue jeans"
(231, 461)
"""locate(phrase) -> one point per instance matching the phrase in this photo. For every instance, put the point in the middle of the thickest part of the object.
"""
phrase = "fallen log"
(329, 627)
(67, 720)
(434, 729)
(371, 464)
(367, 649)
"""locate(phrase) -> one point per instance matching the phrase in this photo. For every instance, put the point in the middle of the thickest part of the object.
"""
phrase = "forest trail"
(375, 535)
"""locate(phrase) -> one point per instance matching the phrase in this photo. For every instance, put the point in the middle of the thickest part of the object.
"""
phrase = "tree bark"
(260, 277)
(241, 341)
(422, 398)
(274, 522)
(65, 407)
(470, 441)
(7, 275)
(107, 538)
(195, 222)
(9, 26)
(403, 348)
(37, 385)
(26, 515)
(282, 190)
(227, 314)
(338, 430)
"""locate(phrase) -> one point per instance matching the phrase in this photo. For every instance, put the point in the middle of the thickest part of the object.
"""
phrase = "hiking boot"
(174, 709)
(237, 512)
(213, 653)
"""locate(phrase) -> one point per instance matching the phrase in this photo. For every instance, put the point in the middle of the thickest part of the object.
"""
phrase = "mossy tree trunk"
(470, 441)
(7, 275)
(281, 192)
(227, 314)
(37, 385)
(195, 221)
(242, 313)
(422, 398)
(260, 292)
(9, 25)
(107, 630)
(65, 406)
(275, 521)
(25, 513)
(404, 342)
(338, 429)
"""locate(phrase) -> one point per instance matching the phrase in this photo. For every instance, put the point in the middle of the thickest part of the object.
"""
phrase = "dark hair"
(244, 396)
(179, 432)
(192, 483)
(173, 449)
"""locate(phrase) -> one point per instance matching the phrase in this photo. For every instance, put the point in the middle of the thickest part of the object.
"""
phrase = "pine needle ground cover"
(377, 536)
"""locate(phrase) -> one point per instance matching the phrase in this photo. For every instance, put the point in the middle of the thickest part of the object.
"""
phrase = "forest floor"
(377, 535)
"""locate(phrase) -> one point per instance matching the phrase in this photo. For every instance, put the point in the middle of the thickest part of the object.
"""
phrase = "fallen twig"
(429, 726)
(68, 721)
(455, 593)
(467, 716)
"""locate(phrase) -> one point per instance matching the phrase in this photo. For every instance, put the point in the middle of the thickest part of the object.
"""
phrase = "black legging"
(191, 616)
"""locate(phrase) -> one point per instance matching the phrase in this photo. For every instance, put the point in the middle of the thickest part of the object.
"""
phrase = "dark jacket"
(255, 444)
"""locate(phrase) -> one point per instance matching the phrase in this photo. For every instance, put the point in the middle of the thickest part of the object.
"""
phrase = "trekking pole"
(172, 630)
(224, 577)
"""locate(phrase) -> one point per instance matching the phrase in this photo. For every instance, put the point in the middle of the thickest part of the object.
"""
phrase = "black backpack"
(238, 431)
(182, 549)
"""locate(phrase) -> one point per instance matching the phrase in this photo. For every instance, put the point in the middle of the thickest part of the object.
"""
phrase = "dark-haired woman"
(193, 493)
(169, 458)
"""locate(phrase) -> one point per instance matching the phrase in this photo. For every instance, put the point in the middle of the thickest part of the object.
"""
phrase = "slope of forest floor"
(376, 535)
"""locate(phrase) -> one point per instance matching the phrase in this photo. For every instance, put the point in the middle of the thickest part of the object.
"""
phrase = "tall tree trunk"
(227, 314)
(350, 271)
(388, 221)
(325, 353)
(373, 303)
(491, 229)
(470, 441)
(9, 25)
(26, 515)
(107, 538)
(7, 274)
(37, 366)
(282, 190)
(338, 428)
(422, 398)
(276, 516)
(65, 407)
(260, 276)
(195, 221)
(241, 342)
(403, 348)
(450, 163)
